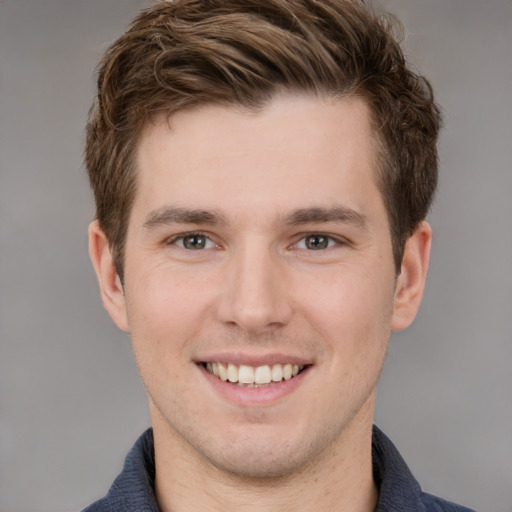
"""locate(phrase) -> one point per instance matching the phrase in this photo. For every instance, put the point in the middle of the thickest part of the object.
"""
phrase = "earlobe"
(411, 281)
(111, 288)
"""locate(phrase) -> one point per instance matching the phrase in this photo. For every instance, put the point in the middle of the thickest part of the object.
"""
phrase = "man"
(262, 171)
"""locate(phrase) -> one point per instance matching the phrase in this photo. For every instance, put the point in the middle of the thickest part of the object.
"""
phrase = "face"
(260, 288)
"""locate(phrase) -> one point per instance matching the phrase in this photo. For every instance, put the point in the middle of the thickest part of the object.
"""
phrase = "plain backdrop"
(71, 404)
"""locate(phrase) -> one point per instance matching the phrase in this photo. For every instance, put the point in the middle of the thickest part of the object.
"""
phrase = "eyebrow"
(341, 214)
(169, 215)
(172, 215)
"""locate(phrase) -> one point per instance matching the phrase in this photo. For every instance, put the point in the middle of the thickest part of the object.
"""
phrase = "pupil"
(316, 242)
(194, 242)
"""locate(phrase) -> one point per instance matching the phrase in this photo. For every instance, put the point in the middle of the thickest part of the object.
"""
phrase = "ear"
(411, 281)
(111, 288)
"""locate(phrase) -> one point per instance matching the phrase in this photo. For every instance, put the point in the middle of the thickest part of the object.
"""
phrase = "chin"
(259, 464)
(266, 455)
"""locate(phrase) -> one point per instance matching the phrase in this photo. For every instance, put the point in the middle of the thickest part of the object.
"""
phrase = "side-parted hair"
(186, 53)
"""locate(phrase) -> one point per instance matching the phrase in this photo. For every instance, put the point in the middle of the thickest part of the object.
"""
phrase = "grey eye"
(194, 242)
(316, 242)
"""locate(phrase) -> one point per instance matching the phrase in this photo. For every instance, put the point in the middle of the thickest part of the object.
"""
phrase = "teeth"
(262, 375)
(232, 373)
(245, 375)
(277, 373)
(223, 372)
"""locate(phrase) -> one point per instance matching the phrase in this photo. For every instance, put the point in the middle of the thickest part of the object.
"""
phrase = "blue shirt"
(133, 489)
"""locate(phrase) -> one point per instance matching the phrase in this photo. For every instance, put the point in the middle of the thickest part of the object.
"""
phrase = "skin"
(258, 292)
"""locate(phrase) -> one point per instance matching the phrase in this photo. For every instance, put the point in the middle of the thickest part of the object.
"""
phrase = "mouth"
(253, 376)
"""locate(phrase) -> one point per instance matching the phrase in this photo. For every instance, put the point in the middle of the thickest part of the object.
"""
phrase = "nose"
(255, 296)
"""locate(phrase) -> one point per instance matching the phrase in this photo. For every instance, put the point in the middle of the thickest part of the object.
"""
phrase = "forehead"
(295, 148)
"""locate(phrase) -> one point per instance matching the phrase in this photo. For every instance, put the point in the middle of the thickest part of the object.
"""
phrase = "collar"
(133, 489)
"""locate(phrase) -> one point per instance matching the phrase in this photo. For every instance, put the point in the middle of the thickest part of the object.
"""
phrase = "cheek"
(166, 312)
(160, 297)
(350, 308)
(162, 322)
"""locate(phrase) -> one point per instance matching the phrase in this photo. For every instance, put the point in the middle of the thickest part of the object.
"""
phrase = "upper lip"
(253, 359)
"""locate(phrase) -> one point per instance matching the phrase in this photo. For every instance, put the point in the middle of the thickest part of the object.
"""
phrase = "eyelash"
(331, 240)
(182, 236)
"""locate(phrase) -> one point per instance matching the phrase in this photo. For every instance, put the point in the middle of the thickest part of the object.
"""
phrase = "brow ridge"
(175, 215)
(321, 214)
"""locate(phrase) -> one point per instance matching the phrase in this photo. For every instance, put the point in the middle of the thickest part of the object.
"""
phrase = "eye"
(316, 242)
(194, 242)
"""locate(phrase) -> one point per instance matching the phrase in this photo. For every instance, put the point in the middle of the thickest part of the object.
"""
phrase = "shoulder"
(399, 491)
(430, 503)
(102, 505)
(133, 489)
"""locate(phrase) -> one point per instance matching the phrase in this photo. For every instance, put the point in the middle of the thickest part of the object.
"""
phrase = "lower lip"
(257, 396)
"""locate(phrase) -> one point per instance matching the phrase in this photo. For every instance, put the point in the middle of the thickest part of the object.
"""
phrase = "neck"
(340, 478)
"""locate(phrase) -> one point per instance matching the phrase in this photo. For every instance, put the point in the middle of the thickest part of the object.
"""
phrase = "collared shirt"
(134, 489)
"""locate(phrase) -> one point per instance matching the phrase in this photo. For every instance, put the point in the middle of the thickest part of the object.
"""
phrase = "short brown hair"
(185, 53)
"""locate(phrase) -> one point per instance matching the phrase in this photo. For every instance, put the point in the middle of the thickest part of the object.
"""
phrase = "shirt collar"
(133, 489)
(398, 489)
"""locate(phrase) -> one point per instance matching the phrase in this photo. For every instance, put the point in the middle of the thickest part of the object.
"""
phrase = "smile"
(249, 376)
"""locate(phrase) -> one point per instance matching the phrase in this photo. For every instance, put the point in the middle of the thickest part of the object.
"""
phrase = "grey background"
(71, 403)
